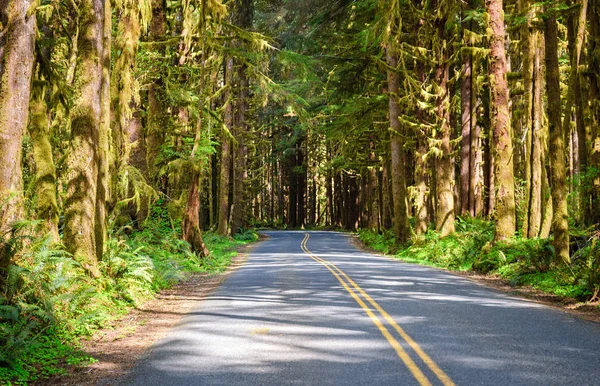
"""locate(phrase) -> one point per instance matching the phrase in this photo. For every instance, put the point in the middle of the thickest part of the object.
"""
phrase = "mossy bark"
(401, 225)
(106, 152)
(444, 189)
(421, 190)
(82, 157)
(223, 226)
(16, 68)
(45, 170)
(157, 116)
(536, 134)
(466, 130)
(240, 159)
(593, 215)
(558, 174)
(505, 211)
(576, 25)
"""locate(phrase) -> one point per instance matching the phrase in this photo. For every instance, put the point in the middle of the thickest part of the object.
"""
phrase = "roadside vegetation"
(520, 261)
(51, 302)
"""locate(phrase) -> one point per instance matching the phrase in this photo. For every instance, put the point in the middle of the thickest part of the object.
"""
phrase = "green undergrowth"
(520, 261)
(51, 302)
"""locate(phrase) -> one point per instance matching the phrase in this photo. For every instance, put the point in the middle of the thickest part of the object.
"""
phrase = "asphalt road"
(308, 308)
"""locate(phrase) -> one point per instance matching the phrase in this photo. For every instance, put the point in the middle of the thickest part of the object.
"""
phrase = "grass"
(520, 261)
(51, 303)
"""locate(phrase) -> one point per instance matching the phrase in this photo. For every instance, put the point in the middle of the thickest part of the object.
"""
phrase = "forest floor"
(118, 347)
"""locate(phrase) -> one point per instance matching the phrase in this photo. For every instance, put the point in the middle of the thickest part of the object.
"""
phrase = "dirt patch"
(119, 347)
(588, 311)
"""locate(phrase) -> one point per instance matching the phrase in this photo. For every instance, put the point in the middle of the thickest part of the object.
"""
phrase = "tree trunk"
(501, 126)
(105, 152)
(45, 170)
(243, 12)
(157, 117)
(560, 223)
(575, 33)
(444, 211)
(223, 227)
(239, 216)
(401, 225)
(466, 174)
(593, 215)
(82, 158)
(373, 192)
(190, 225)
(421, 193)
(538, 136)
(386, 195)
(16, 68)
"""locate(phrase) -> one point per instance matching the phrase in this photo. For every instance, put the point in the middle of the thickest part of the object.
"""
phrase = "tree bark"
(421, 193)
(45, 170)
(105, 151)
(190, 225)
(501, 126)
(401, 225)
(157, 117)
(223, 226)
(82, 158)
(466, 175)
(539, 135)
(16, 69)
(560, 223)
(444, 213)
(593, 215)
(240, 163)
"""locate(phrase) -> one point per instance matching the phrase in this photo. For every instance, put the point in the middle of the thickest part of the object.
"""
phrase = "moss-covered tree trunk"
(538, 137)
(444, 168)
(386, 194)
(501, 126)
(223, 226)
(16, 68)
(421, 191)
(105, 152)
(558, 173)
(398, 173)
(190, 225)
(242, 17)
(240, 160)
(593, 215)
(82, 157)
(576, 24)
(373, 191)
(466, 130)
(191, 217)
(157, 116)
(45, 170)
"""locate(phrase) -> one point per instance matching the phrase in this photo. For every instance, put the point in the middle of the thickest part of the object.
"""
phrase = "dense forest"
(134, 131)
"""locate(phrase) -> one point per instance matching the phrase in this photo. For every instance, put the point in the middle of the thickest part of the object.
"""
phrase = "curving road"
(308, 308)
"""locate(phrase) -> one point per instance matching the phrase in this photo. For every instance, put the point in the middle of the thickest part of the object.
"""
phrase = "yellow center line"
(344, 279)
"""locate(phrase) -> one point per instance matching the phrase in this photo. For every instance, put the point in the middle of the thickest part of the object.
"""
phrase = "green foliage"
(586, 263)
(458, 251)
(521, 261)
(381, 242)
(50, 301)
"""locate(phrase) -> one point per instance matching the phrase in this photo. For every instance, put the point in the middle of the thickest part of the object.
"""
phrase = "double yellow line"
(354, 290)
